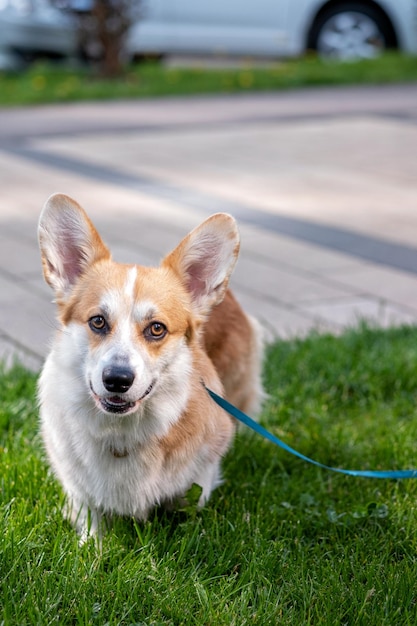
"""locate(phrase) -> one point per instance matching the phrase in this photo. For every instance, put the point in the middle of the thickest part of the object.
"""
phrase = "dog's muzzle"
(118, 404)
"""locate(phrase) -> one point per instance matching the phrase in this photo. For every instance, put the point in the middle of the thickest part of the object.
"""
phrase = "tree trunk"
(104, 31)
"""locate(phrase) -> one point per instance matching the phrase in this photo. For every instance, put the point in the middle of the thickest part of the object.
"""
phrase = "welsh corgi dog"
(126, 421)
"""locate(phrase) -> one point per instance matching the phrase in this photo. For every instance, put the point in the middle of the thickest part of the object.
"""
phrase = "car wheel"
(351, 30)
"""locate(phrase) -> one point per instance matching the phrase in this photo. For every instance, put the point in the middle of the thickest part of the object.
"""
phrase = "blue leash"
(248, 421)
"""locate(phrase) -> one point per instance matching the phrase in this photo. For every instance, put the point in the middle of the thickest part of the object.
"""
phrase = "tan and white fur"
(126, 421)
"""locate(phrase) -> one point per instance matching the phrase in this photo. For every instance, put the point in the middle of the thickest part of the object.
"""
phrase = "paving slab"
(387, 284)
(286, 285)
(11, 354)
(349, 312)
(26, 319)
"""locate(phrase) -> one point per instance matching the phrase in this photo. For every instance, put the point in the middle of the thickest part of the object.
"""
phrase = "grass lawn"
(54, 83)
(281, 542)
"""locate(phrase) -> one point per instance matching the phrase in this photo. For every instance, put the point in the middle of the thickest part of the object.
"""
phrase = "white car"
(253, 28)
(275, 28)
(33, 28)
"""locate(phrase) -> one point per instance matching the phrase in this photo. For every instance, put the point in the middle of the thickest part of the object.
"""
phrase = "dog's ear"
(68, 241)
(205, 259)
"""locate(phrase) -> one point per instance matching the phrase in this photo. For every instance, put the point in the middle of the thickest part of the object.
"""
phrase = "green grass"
(54, 83)
(281, 542)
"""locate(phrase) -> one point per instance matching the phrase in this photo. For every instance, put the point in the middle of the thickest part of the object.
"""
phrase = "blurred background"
(114, 31)
(298, 117)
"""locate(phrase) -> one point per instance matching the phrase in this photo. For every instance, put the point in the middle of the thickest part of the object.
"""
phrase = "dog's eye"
(98, 324)
(156, 330)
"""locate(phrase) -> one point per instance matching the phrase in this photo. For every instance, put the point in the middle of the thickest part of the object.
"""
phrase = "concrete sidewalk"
(323, 184)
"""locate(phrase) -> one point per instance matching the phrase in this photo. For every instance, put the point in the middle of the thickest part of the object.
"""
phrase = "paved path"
(323, 184)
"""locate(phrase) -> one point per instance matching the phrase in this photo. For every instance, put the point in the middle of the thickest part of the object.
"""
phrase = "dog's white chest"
(125, 483)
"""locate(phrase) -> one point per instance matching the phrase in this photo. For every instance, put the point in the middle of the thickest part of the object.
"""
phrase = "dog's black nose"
(118, 379)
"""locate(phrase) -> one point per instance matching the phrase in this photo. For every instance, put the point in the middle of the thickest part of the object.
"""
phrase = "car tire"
(351, 30)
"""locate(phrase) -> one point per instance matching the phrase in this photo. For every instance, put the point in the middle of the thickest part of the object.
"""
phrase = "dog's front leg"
(208, 479)
(88, 521)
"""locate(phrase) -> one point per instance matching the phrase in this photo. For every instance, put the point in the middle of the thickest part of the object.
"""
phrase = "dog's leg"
(208, 480)
(88, 522)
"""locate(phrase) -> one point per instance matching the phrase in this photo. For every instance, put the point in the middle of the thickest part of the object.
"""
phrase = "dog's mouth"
(117, 404)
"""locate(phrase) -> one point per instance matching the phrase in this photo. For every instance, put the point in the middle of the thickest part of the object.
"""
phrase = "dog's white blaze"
(130, 283)
(125, 315)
